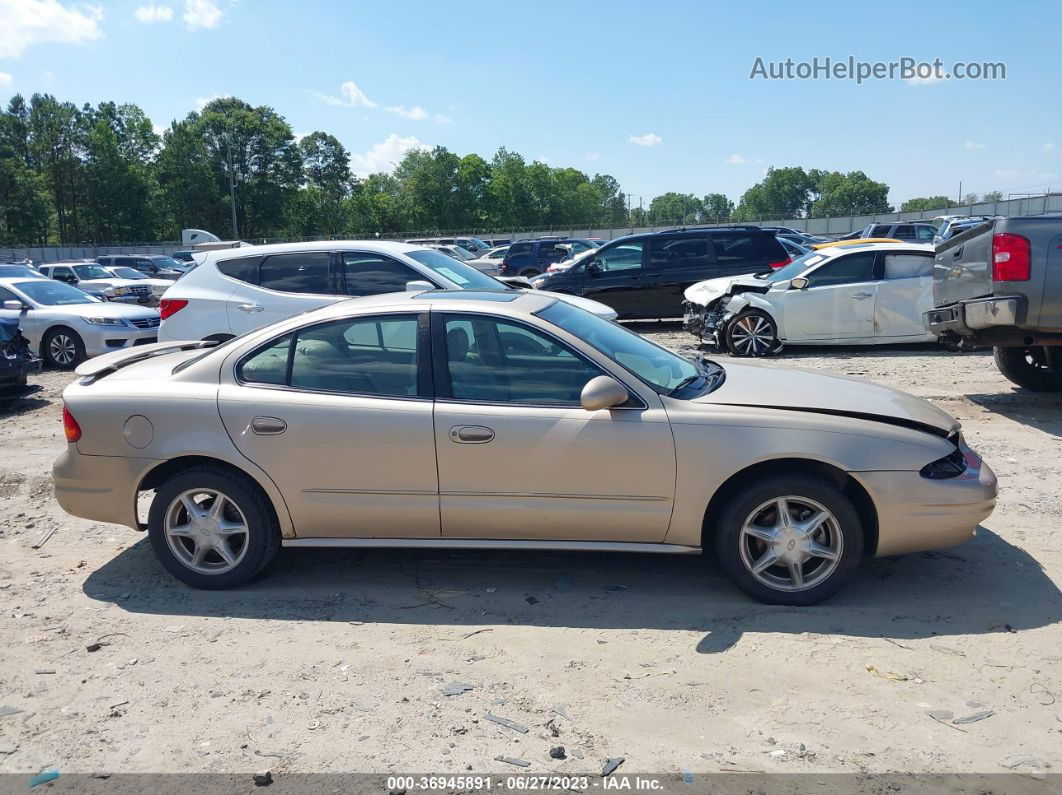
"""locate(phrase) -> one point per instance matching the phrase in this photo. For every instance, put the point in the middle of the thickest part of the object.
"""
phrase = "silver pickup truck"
(1000, 284)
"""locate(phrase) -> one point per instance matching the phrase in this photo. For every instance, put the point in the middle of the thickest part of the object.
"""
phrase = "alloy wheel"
(791, 543)
(62, 349)
(206, 531)
(752, 335)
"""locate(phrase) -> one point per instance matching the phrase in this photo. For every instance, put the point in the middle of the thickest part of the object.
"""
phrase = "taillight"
(781, 263)
(1011, 261)
(70, 426)
(171, 306)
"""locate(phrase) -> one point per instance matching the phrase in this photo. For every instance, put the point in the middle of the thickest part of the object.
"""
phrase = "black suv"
(532, 257)
(152, 266)
(644, 276)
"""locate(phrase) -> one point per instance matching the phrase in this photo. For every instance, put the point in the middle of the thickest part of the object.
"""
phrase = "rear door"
(838, 302)
(676, 263)
(904, 294)
(287, 285)
(739, 253)
(339, 415)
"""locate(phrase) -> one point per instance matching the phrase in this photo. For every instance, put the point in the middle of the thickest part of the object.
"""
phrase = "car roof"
(521, 301)
(374, 246)
(835, 251)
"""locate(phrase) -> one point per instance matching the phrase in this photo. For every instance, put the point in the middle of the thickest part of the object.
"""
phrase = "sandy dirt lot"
(338, 661)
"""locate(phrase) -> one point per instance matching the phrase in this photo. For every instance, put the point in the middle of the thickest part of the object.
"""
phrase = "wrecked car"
(17, 361)
(868, 294)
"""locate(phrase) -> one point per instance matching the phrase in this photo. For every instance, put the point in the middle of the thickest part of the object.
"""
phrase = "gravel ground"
(337, 661)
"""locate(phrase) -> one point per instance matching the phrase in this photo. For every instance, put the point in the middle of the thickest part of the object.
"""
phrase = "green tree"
(192, 194)
(56, 143)
(675, 208)
(993, 196)
(783, 193)
(847, 194)
(716, 208)
(926, 203)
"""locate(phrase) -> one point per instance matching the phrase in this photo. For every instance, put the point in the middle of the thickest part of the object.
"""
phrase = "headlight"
(121, 291)
(537, 283)
(950, 466)
(105, 321)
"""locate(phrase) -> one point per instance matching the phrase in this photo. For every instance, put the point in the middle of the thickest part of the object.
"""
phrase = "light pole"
(232, 184)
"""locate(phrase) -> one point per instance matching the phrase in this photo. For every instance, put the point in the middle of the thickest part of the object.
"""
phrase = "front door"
(519, 458)
(838, 302)
(617, 277)
(339, 415)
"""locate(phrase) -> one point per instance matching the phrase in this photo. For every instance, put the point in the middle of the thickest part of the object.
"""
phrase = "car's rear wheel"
(63, 348)
(752, 333)
(211, 528)
(789, 540)
(1031, 367)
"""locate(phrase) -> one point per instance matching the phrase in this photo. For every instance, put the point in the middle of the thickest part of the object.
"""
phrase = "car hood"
(596, 307)
(108, 283)
(750, 384)
(703, 293)
(102, 309)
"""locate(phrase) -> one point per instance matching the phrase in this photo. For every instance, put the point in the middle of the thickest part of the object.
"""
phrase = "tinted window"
(845, 270)
(924, 232)
(372, 274)
(296, 273)
(679, 252)
(244, 269)
(369, 356)
(904, 232)
(269, 365)
(908, 266)
(624, 257)
(458, 273)
(500, 362)
(519, 249)
(7, 295)
(736, 247)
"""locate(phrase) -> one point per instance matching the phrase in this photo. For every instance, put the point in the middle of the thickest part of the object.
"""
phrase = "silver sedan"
(508, 420)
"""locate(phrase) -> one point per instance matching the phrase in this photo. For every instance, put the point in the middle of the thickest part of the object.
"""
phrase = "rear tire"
(1028, 368)
(63, 348)
(799, 560)
(207, 545)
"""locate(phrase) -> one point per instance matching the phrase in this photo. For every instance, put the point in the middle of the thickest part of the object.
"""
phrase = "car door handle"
(250, 307)
(268, 426)
(861, 296)
(471, 434)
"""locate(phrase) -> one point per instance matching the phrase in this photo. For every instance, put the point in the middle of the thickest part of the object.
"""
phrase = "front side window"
(622, 257)
(904, 232)
(880, 231)
(145, 265)
(497, 361)
(91, 272)
(924, 232)
(296, 273)
(457, 273)
(372, 274)
(851, 269)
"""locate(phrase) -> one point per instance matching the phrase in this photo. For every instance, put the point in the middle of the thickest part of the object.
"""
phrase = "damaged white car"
(848, 295)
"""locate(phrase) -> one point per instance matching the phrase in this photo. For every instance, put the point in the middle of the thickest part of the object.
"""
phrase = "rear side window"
(372, 274)
(680, 252)
(296, 273)
(908, 266)
(367, 356)
(244, 269)
(737, 247)
(269, 365)
(519, 249)
(904, 232)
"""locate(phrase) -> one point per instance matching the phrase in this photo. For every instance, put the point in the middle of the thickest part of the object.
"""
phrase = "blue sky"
(658, 95)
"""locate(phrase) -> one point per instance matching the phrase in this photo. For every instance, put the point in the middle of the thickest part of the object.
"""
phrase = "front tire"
(212, 529)
(63, 348)
(752, 333)
(1029, 368)
(789, 540)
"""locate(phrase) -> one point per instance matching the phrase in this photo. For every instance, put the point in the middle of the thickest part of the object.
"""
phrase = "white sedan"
(867, 294)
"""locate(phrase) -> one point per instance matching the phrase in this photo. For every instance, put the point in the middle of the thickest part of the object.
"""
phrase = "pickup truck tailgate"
(962, 267)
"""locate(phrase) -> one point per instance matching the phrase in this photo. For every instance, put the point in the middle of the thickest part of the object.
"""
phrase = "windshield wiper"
(685, 382)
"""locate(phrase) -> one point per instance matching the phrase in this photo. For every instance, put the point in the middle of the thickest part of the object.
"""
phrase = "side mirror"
(798, 283)
(593, 268)
(14, 306)
(418, 286)
(603, 392)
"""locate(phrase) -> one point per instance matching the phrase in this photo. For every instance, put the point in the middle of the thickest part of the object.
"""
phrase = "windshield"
(127, 273)
(794, 268)
(53, 293)
(166, 262)
(91, 272)
(454, 271)
(660, 368)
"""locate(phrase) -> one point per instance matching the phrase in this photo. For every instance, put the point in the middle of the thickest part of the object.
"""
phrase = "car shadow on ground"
(22, 405)
(984, 586)
(1040, 410)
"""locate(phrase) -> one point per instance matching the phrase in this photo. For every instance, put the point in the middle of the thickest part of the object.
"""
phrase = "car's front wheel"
(752, 333)
(212, 529)
(1031, 368)
(63, 348)
(789, 540)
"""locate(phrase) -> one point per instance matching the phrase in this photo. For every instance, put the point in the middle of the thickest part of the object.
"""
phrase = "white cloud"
(1006, 173)
(972, 145)
(158, 129)
(384, 155)
(352, 97)
(6, 80)
(924, 81)
(416, 113)
(593, 157)
(1049, 147)
(201, 14)
(649, 139)
(442, 119)
(202, 102)
(153, 13)
(735, 160)
(24, 23)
